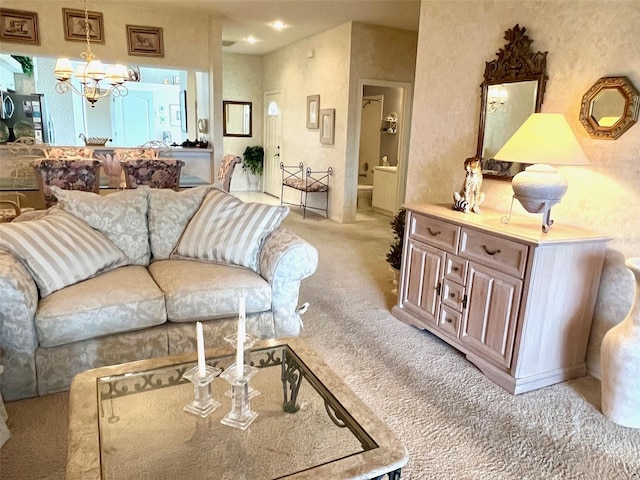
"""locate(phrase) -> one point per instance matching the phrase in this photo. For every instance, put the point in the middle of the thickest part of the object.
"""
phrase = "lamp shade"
(543, 138)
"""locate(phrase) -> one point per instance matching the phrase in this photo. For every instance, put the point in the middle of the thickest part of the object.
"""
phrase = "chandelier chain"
(88, 55)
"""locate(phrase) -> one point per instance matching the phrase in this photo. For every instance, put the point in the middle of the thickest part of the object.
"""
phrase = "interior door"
(136, 126)
(273, 142)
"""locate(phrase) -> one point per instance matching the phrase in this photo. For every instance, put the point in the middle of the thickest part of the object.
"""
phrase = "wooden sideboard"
(517, 302)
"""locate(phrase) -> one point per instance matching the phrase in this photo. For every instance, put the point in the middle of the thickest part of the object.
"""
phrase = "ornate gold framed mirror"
(513, 88)
(610, 107)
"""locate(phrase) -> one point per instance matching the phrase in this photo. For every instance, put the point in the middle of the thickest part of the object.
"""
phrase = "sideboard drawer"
(449, 320)
(504, 255)
(434, 232)
(452, 295)
(455, 269)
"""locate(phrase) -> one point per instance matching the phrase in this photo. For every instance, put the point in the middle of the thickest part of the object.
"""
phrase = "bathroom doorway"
(383, 145)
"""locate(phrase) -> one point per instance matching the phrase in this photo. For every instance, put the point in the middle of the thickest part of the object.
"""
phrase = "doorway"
(273, 140)
(389, 143)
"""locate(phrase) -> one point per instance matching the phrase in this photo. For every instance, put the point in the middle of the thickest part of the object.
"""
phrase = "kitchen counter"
(16, 172)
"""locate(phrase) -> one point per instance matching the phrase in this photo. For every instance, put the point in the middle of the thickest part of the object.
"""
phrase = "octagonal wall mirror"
(513, 89)
(609, 108)
(236, 119)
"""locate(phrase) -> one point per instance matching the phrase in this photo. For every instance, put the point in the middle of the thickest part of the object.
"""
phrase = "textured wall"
(242, 82)
(291, 72)
(585, 41)
(340, 58)
(181, 33)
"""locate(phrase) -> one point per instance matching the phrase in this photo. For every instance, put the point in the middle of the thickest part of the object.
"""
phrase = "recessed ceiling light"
(251, 39)
(277, 24)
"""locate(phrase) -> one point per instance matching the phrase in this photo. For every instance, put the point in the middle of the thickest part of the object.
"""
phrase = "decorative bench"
(293, 176)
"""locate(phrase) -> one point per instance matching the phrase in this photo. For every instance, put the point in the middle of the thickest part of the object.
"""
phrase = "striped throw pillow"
(59, 250)
(227, 230)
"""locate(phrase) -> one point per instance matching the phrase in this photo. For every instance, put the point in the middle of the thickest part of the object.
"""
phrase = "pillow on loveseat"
(230, 231)
(169, 213)
(120, 216)
(59, 250)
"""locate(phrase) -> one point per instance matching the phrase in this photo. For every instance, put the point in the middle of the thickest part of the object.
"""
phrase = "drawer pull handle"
(432, 233)
(464, 302)
(453, 295)
(449, 320)
(455, 269)
(438, 289)
(497, 250)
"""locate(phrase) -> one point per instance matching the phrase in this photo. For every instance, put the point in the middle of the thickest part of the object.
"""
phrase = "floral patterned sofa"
(99, 280)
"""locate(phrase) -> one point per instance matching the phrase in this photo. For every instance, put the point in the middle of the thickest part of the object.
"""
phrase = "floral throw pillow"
(120, 216)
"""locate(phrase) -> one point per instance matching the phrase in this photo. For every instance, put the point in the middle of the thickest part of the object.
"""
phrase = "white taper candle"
(200, 342)
(242, 332)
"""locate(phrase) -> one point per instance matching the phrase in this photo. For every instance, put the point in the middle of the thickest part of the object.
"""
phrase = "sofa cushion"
(230, 231)
(120, 216)
(202, 291)
(169, 213)
(59, 250)
(117, 301)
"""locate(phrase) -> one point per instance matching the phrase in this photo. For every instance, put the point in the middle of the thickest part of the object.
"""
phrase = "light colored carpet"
(455, 423)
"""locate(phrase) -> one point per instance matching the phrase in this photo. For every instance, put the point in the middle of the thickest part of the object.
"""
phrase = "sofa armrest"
(286, 259)
(18, 340)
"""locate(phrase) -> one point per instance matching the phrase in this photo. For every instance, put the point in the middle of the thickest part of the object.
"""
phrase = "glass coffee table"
(127, 422)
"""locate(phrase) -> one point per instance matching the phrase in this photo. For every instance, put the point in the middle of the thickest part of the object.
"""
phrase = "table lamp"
(544, 139)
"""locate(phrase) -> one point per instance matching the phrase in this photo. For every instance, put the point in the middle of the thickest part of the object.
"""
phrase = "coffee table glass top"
(309, 424)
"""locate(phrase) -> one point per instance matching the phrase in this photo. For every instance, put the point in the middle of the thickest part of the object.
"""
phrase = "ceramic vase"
(254, 182)
(620, 361)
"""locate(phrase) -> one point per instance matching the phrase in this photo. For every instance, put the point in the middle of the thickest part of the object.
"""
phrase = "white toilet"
(365, 194)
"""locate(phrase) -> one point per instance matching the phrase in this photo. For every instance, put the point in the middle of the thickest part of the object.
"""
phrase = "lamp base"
(546, 216)
(538, 188)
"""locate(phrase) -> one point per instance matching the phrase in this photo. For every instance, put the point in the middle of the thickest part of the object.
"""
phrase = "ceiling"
(304, 18)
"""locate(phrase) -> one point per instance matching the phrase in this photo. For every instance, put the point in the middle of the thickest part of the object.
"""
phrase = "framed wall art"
(75, 28)
(327, 125)
(174, 115)
(145, 41)
(313, 107)
(19, 26)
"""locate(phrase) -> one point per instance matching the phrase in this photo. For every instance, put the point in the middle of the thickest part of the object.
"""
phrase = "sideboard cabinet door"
(489, 326)
(424, 268)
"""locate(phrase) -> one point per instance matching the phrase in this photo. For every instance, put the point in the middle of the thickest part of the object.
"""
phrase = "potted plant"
(253, 160)
(394, 256)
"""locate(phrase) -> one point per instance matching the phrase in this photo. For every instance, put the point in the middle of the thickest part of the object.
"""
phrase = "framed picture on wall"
(75, 28)
(19, 26)
(313, 107)
(327, 125)
(174, 115)
(145, 41)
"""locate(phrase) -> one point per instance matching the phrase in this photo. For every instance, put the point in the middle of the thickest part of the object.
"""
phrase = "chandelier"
(498, 97)
(96, 81)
